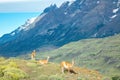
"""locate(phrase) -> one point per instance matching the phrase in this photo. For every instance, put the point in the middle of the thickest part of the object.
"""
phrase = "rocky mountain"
(13, 35)
(56, 26)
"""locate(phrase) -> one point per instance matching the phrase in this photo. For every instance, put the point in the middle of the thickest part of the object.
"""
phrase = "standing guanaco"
(44, 61)
(33, 55)
(66, 66)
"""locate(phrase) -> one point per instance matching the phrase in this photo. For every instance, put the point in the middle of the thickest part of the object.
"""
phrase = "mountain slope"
(74, 21)
(100, 54)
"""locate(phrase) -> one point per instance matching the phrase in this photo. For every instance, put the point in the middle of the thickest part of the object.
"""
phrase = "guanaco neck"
(47, 58)
(72, 63)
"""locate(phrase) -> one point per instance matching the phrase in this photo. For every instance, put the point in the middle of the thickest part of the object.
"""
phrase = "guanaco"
(33, 55)
(67, 66)
(44, 61)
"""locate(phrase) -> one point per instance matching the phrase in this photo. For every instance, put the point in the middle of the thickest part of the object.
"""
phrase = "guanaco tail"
(44, 61)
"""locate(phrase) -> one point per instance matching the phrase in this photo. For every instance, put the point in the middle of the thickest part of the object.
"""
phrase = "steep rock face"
(72, 21)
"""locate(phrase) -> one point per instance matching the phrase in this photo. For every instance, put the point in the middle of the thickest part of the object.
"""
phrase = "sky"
(14, 13)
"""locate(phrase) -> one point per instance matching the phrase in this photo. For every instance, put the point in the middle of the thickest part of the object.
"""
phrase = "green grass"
(18, 69)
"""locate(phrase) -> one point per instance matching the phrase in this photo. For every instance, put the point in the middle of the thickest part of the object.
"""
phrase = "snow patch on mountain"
(32, 20)
(65, 13)
(40, 17)
(70, 2)
(76, 12)
(81, 2)
(12, 34)
(115, 10)
(27, 23)
(98, 2)
(113, 16)
(114, 2)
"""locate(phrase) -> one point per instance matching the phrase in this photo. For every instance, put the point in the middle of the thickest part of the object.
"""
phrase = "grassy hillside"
(97, 54)
(94, 60)
(17, 69)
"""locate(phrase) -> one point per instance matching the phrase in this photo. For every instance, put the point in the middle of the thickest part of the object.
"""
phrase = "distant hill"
(57, 26)
(102, 54)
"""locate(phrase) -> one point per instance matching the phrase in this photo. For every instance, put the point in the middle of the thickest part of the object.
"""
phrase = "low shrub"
(79, 78)
(13, 64)
(2, 59)
(14, 73)
(116, 78)
(1, 72)
(9, 70)
(43, 77)
(56, 77)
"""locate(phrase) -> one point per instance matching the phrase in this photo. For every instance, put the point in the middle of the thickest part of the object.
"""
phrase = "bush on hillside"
(2, 59)
(9, 70)
(13, 64)
(116, 78)
(1, 72)
(14, 73)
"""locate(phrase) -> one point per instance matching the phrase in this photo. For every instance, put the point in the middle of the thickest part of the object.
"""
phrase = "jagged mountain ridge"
(80, 19)
(8, 37)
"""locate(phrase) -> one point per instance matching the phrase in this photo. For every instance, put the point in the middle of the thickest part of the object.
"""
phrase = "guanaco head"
(34, 53)
(33, 50)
